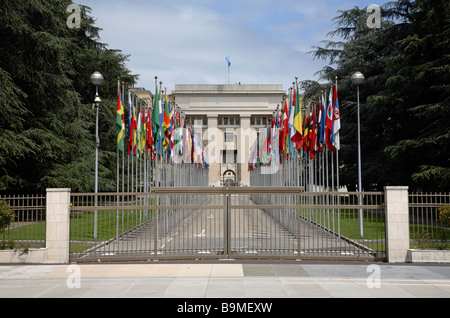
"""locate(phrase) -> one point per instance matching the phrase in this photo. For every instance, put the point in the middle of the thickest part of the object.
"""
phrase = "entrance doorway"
(229, 178)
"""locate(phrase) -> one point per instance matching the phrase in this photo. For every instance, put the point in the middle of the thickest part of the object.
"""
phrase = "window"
(229, 156)
(229, 136)
(197, 120)
(260, 120)
(228, 121)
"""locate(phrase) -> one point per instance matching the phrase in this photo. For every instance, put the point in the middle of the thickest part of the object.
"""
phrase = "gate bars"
(244, 222)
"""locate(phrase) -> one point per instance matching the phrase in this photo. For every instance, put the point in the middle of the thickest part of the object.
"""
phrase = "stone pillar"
(214, 143)
(246, 138)
(58, 226)
(397, 223)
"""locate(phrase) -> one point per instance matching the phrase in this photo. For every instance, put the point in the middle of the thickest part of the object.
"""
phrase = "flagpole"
(337, 175)
(123, 152)
(117, 180)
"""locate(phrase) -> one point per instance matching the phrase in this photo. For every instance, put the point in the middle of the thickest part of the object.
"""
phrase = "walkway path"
(226, 279)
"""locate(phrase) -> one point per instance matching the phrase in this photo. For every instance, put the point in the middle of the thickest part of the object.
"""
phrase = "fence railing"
(425, 227)
(126, 215)
(227, 222)
(28, 227)
(335, 224)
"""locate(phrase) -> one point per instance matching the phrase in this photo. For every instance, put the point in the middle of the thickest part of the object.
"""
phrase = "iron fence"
(27, 230)
(236, 222)
(425, 226)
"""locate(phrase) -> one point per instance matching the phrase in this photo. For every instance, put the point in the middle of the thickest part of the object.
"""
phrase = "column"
(58, 225)
(214, 143)
(245, 139)
(397, 223)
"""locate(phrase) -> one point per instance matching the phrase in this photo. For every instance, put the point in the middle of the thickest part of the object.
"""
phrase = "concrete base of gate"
(428, 256)
(32, 256)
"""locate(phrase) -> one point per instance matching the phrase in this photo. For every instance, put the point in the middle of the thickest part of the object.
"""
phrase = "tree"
(404, 100)
(46, 66)
(419, 81)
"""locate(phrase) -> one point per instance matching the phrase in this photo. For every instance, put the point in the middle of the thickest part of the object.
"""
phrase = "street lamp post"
(97, 80)
(358, 79)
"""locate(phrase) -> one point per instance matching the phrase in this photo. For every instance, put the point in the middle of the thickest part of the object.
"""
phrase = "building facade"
(227, 118)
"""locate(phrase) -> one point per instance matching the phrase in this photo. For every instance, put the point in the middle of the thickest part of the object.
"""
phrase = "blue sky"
(186, 42)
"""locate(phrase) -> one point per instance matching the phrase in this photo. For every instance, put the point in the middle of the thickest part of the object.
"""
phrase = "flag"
(228, 60)
(130, 125)
(275, 157)
(329, 122)
(252, 157)
(143, 131)
(135, 127)
(291, 127)
(284, 129)
(297, 123)
(149, 146)
(178, 136)
(312, 136)
(166, 125)
(171, 134)
(138, 130)
(120, 121)
(306, 135)
(156, 120)
(322, 123)
(336, 120)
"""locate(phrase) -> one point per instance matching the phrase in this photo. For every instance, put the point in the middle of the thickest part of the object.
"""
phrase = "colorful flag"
(312, 136)
(266, 148)
(228, 60)
(178, 136)
(143, 131)
(306, 135)
(156, 120)
(171, 128)
(149, 146)
(329, 123)
(166, 124)
(134, 127)
(336, 120)
(138, 130)
(284, 129)
(322, 123)
(130, 125)
(297, 123)
(120, 122)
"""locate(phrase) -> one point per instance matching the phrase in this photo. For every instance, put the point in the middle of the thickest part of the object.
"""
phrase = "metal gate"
(237, 222)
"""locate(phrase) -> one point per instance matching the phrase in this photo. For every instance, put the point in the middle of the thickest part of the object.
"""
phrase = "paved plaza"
(226, 279)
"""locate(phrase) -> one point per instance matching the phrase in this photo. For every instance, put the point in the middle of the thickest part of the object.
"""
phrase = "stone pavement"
(226, 279)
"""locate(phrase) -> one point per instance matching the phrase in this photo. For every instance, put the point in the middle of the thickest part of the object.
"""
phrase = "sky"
(186, 42)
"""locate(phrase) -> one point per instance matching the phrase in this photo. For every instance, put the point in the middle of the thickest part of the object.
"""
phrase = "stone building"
(227, 118)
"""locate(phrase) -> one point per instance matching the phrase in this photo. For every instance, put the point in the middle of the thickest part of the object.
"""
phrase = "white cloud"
(184, 42)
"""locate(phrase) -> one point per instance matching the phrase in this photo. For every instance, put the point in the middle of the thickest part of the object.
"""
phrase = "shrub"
(6, 215)
(444, 215)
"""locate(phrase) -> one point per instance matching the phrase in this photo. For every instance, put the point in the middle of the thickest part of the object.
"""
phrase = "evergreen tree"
(419, 83)
(404, 100)
(46, 67)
